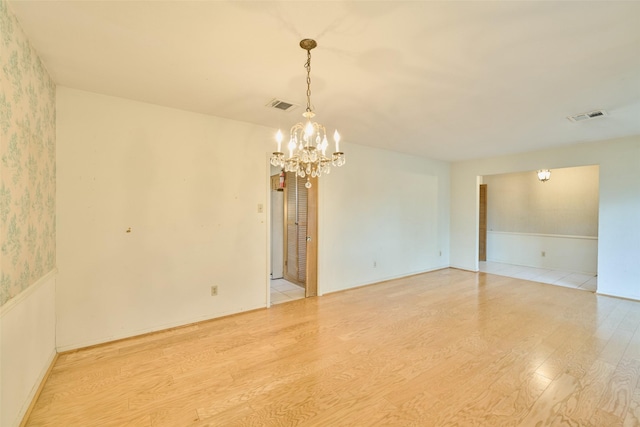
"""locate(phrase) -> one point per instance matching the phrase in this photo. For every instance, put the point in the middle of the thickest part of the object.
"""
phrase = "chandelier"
(544, 175)
(308, 143)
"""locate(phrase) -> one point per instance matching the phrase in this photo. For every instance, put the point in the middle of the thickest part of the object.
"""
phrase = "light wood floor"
(444, 348)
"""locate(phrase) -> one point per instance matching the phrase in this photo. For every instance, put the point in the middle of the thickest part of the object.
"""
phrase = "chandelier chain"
(308, 67)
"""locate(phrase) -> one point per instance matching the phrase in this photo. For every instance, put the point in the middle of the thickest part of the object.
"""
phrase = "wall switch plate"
(214, 290)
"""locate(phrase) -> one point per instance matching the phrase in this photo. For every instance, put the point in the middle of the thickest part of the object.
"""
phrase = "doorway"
(546, 231)
(293, 237)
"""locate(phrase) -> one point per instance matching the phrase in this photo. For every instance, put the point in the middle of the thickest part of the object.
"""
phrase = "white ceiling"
(448, 80)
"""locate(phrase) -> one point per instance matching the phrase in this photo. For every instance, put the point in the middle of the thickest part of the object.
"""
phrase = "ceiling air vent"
(281, 105)
(587, 116)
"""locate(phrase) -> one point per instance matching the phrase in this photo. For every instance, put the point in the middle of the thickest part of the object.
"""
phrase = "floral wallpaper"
(27, 161)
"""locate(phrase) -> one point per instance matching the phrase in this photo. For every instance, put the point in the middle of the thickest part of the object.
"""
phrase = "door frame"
(482, 222)
(311, 282)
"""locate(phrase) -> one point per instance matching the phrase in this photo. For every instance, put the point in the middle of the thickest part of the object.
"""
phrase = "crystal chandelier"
(308, 140)
(544, 175)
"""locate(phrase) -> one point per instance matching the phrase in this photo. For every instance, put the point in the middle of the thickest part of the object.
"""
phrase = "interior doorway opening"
(293, 237)
(544, 231)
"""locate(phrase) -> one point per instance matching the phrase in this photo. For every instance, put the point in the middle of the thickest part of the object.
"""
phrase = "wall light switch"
(260, 207)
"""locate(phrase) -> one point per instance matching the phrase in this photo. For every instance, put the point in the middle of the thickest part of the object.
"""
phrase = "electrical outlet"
(543, 253)
(375, 264)
(439, 253)
(214, 290)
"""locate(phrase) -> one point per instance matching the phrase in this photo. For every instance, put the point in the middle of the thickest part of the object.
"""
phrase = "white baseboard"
(37, 387)
(158, 328)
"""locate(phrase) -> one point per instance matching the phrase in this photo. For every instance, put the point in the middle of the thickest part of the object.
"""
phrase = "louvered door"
(296, 231)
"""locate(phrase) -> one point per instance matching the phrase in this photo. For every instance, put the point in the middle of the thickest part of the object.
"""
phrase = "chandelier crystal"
(307, 147)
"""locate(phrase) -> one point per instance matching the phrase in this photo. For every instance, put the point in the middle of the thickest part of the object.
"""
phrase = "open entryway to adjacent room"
(541, 228)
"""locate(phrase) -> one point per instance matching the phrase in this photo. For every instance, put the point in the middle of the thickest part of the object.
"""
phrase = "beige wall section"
(166, 175)
(565, 205)
(171, 177)
(382, 215)
(194, 221)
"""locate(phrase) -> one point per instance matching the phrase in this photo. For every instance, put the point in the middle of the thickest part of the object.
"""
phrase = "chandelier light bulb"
(336, 138)
(279, 138)
(291, 146)
(308, 130)
(324, 145)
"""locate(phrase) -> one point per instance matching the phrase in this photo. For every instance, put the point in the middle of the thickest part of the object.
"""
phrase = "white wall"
(194, 220)
(619, 207)
(578, 254)
(27, 337)
(382, 207)
(169, 176)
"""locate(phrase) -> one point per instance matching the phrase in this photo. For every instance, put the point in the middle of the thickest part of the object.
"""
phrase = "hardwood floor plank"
(559, 360)
(449, 347)
(591, 387)
(548, 407)
(633, 412)
(515, 405)
(619, 392)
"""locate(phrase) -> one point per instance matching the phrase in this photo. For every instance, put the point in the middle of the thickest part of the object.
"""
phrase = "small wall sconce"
(544, 175)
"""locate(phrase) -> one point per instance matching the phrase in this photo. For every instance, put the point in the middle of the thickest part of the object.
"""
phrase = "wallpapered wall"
(565, 205)
(27, 161)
